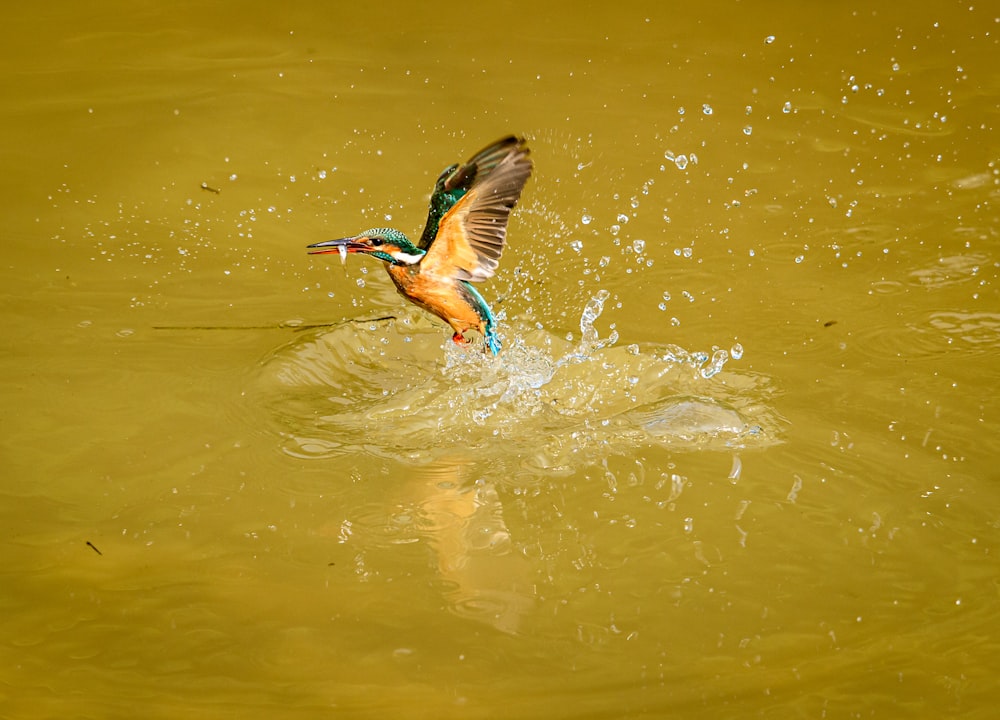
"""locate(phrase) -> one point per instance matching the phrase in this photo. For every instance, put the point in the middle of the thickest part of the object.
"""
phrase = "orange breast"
(441, 296)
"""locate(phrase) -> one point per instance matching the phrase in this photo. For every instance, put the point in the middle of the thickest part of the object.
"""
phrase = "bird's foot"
(490, 344)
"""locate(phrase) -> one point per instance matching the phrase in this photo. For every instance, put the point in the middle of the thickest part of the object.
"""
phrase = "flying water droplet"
(590, 340)
(719, 358)
(593, 311)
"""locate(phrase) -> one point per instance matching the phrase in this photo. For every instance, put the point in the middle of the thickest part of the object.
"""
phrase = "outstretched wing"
(456, 180)
(471, 234)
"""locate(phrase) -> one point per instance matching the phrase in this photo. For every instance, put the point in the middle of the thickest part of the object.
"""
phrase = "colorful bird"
(461, 243)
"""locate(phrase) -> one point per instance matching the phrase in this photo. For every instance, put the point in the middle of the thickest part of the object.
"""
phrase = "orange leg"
(459, 339)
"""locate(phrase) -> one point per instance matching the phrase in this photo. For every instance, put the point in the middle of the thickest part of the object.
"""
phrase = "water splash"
(590, 339)
(545, 402)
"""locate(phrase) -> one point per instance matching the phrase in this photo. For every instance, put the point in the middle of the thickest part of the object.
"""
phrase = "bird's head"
(386, 244)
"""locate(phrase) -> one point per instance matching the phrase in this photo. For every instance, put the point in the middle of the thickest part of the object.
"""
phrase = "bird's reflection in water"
(488, 579)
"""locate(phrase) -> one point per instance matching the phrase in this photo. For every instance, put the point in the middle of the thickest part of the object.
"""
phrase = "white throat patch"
(405, 257)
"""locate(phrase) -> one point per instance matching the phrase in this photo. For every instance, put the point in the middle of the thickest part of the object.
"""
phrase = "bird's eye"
(377, 241)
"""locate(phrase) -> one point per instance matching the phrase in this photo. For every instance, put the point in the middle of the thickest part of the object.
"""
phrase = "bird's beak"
(341, 245)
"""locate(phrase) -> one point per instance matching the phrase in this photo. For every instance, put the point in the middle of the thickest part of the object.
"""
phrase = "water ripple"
(950, 270)
(387, 389)
(980, 329)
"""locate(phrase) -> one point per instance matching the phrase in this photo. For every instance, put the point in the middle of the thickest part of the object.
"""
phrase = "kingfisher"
(461, 243)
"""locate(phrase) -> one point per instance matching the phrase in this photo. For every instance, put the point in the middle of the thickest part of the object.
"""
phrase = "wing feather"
(471, 235)
(456, 180)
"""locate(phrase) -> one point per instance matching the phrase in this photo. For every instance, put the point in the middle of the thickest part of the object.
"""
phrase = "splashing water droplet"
(719, 358)
(586, 219)
(593, 311)
(590, 339)
(707, 109)
(343, 254)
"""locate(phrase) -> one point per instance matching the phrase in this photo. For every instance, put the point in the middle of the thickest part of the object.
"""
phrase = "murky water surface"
(737, 459)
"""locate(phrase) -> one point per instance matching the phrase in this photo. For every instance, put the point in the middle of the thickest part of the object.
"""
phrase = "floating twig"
(279, 326)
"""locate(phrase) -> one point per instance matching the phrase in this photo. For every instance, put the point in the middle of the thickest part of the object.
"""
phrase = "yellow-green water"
(738, 458)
